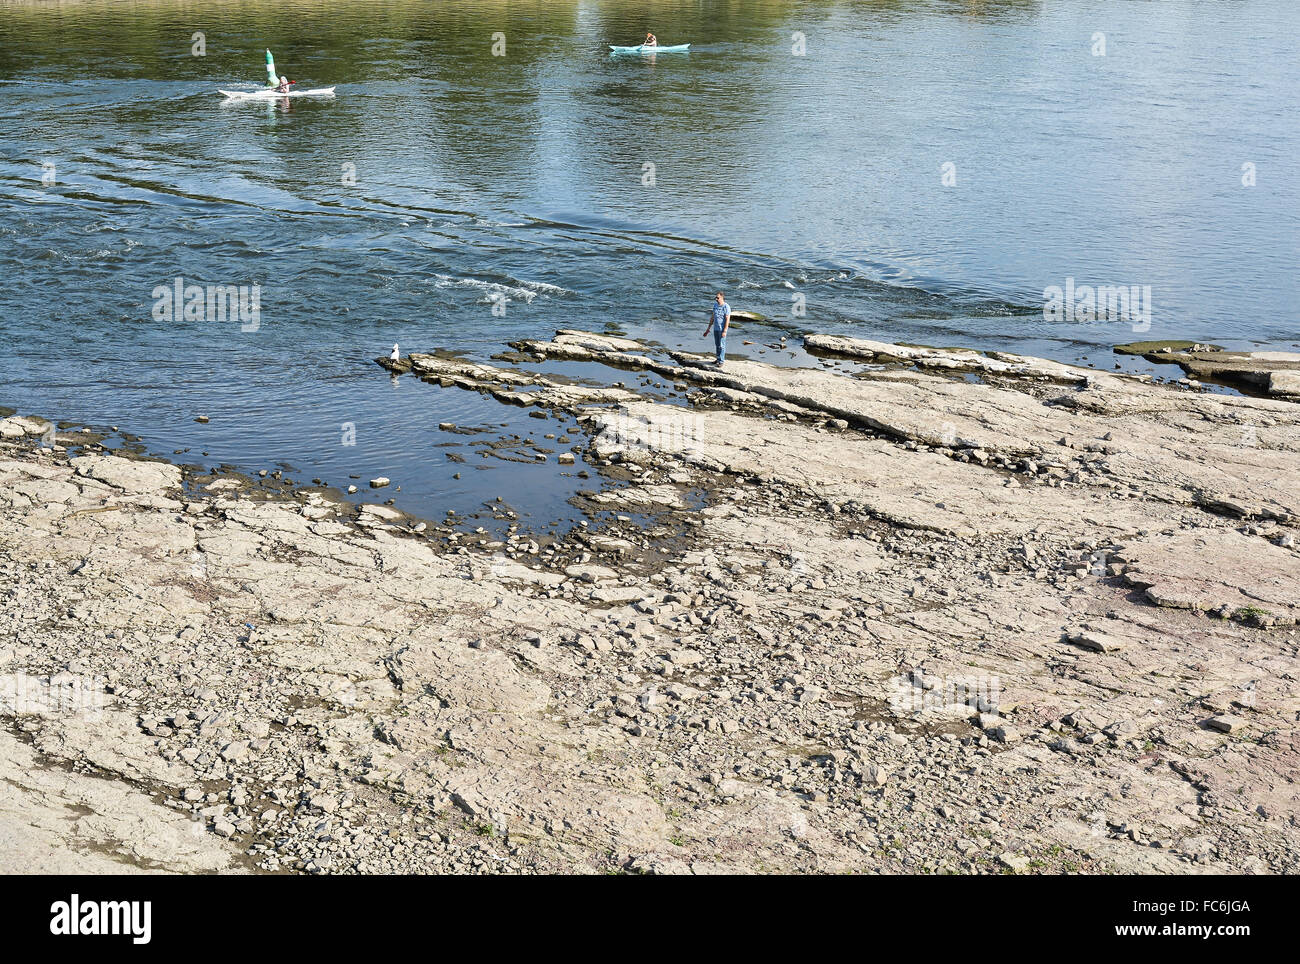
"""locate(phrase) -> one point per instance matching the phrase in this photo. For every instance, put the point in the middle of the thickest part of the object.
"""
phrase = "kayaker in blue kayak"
(650, 41)
(719, 322)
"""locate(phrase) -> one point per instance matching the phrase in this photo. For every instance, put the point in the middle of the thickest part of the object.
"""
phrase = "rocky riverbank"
(913, 610)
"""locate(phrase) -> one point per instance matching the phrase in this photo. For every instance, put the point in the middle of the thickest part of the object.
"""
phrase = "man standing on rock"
(719, 322)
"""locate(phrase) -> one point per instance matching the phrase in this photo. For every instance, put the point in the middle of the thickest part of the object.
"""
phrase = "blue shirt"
(721, 312)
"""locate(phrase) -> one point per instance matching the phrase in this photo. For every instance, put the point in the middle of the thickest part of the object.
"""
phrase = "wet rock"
(19, 426)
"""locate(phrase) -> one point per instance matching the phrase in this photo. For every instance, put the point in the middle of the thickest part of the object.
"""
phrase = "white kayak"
(271, 94)
(652, 49)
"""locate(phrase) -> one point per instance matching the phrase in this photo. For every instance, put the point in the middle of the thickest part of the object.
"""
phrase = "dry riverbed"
(913, 610)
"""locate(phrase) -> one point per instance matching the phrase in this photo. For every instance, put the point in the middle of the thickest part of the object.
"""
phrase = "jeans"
(720, 343)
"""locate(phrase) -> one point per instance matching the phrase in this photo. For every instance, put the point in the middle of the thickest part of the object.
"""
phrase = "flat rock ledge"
(1272, 373)
(897, 619)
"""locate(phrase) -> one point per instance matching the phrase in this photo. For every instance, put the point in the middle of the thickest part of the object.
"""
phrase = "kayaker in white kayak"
(650, 41)
(280, 84)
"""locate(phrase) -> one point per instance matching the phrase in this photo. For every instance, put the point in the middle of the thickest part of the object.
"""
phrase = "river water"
(908, 171)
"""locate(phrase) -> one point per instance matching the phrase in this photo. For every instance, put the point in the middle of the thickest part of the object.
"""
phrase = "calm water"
(518, 182)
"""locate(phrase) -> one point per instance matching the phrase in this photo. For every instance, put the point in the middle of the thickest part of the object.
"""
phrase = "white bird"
(394, 356)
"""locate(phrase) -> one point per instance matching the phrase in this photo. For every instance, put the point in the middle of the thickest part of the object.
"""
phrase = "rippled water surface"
(520, 182)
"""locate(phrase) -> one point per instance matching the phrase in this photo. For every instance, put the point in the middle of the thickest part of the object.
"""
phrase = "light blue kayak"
(643, 49)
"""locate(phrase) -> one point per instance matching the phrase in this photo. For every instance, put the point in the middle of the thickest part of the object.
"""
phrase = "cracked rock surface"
(896, 620)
